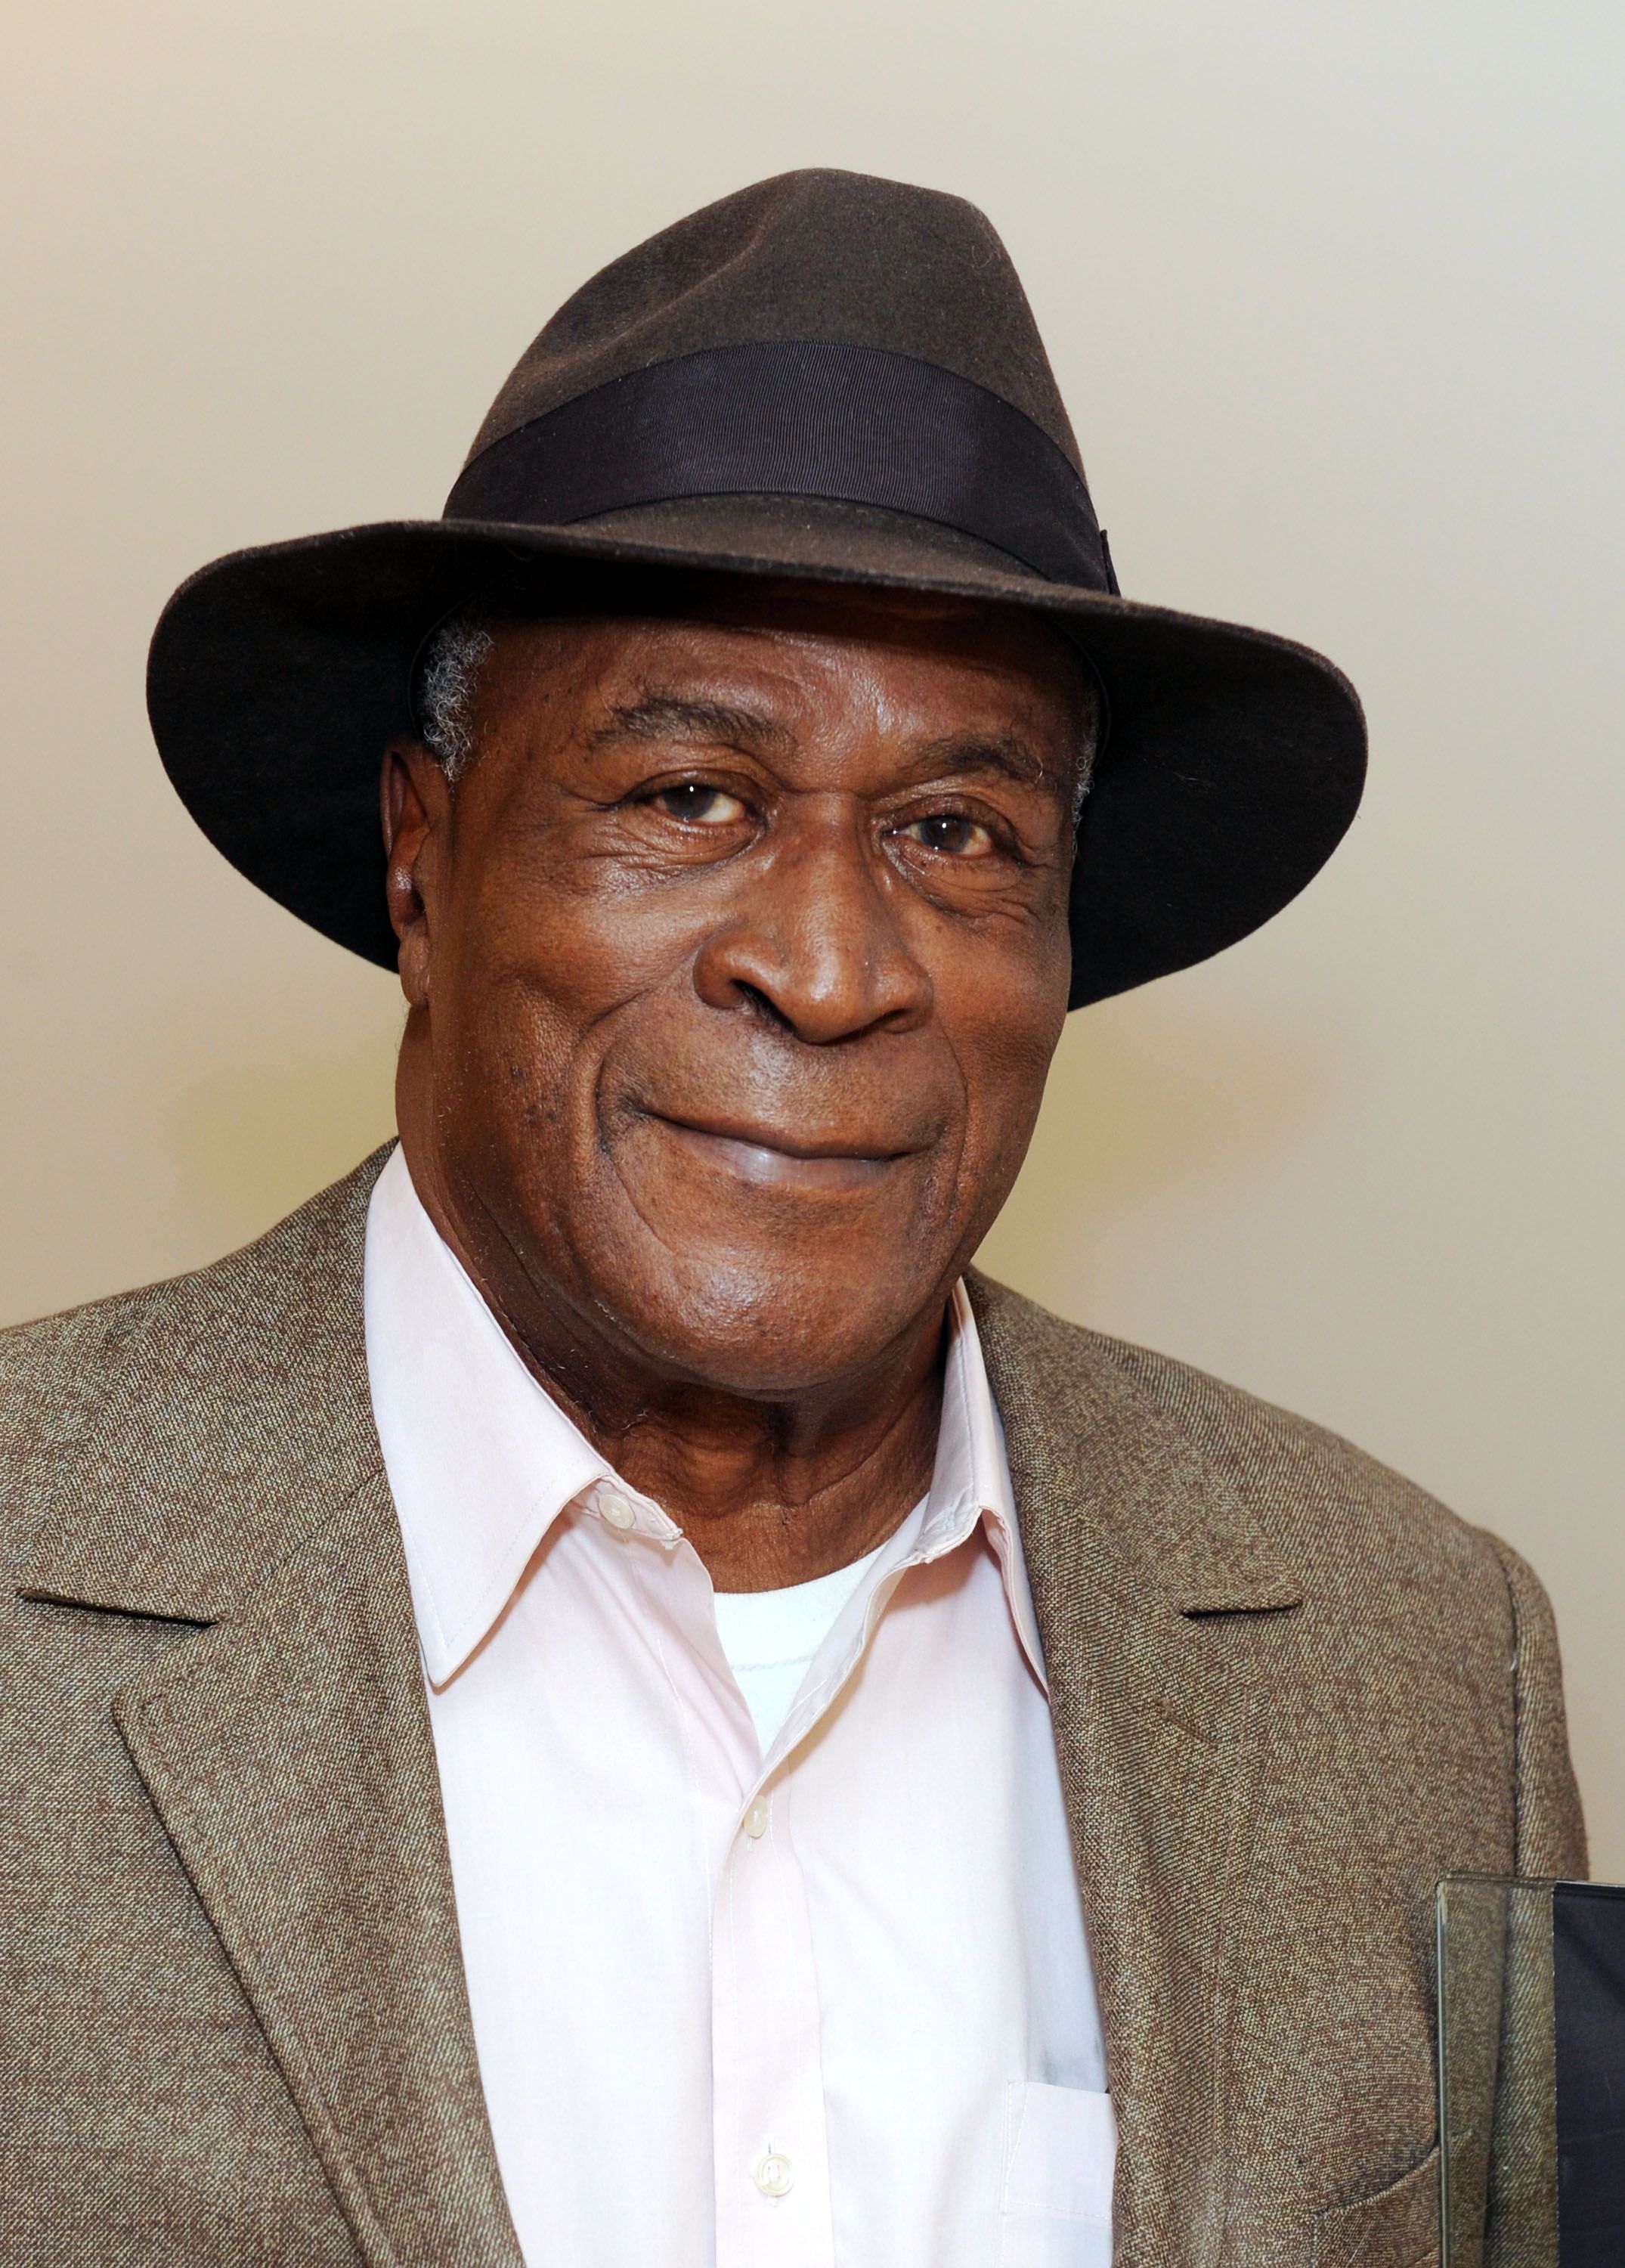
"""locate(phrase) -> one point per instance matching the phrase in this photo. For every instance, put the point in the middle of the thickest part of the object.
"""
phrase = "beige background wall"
(1334, 294)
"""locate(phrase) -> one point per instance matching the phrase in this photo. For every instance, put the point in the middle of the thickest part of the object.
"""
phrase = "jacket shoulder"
(1433, 1621)
(59, 1373)
(1332, 1512)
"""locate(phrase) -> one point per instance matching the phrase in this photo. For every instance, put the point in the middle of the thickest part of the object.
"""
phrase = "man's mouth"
(770, 1158)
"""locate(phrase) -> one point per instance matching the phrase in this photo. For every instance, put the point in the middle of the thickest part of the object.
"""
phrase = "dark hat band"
(800, 418)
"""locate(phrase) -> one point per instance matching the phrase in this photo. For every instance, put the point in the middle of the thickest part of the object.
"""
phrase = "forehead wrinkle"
(657, 715)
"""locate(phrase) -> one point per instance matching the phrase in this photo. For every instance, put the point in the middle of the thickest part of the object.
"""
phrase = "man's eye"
(701, 805)
(951, 833)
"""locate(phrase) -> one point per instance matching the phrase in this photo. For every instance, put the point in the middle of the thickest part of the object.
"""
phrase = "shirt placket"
(772, 2158)
(774, 2208)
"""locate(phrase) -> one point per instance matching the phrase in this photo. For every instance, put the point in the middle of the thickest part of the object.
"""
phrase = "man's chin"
(764, 1324)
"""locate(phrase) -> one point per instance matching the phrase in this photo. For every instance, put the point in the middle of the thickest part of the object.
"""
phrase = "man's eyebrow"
(1006, 755)
(675, 717)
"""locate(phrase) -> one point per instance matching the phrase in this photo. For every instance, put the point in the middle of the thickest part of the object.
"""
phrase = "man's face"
(737, 957)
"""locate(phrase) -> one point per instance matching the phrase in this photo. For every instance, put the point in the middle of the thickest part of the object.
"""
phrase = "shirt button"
(756, 1820)
(772, 2173)
(616, 1510)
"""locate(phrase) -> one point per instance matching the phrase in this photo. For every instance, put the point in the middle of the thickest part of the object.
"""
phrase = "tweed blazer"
(1290, 1691)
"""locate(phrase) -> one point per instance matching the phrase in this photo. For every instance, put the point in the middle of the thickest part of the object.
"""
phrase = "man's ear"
(415, 803)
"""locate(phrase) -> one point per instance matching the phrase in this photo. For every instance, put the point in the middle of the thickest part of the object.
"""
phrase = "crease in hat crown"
(819, 254)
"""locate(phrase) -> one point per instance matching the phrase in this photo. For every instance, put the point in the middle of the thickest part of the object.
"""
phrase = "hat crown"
(814, 255)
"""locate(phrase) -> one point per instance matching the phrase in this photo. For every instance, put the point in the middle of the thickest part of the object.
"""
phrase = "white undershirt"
(769, 1638)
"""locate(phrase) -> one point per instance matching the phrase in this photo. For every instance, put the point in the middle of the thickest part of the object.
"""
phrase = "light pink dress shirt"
(830, 2008)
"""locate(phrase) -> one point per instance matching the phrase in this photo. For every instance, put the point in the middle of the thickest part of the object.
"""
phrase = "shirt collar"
(482, 1461)
(481, 1458)
(971, 1479)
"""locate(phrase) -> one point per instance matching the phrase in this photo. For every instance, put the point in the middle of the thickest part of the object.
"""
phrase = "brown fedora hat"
(824, 377)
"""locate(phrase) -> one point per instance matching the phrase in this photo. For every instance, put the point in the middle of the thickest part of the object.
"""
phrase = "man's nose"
(814, 937)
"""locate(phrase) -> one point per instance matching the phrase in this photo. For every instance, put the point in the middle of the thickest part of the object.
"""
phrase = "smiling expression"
(737, 960)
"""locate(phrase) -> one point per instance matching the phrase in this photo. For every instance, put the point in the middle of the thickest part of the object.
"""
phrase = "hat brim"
(277, 677)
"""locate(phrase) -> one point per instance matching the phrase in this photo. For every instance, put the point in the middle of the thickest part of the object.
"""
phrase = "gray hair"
(443, 694)
(1089, 752)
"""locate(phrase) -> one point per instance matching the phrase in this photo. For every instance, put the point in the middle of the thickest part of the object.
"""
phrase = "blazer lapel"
(287, 1747)
(1159, 1607)
(289, 1755)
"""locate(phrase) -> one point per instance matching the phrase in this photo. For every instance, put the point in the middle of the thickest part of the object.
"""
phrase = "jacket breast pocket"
(1060, 2158)
(1397, 2227)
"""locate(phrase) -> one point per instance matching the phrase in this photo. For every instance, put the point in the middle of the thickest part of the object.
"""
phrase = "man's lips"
(772, 1159)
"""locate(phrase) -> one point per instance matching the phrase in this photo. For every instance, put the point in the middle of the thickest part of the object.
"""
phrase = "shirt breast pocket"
(1060, 2156)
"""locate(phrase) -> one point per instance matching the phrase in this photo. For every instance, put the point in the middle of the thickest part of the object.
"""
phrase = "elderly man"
(598, 1695)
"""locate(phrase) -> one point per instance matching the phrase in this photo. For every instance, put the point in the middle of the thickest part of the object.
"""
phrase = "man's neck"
(769, 1490)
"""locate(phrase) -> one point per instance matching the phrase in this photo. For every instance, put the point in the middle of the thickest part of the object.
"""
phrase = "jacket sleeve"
(1551, 1830)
